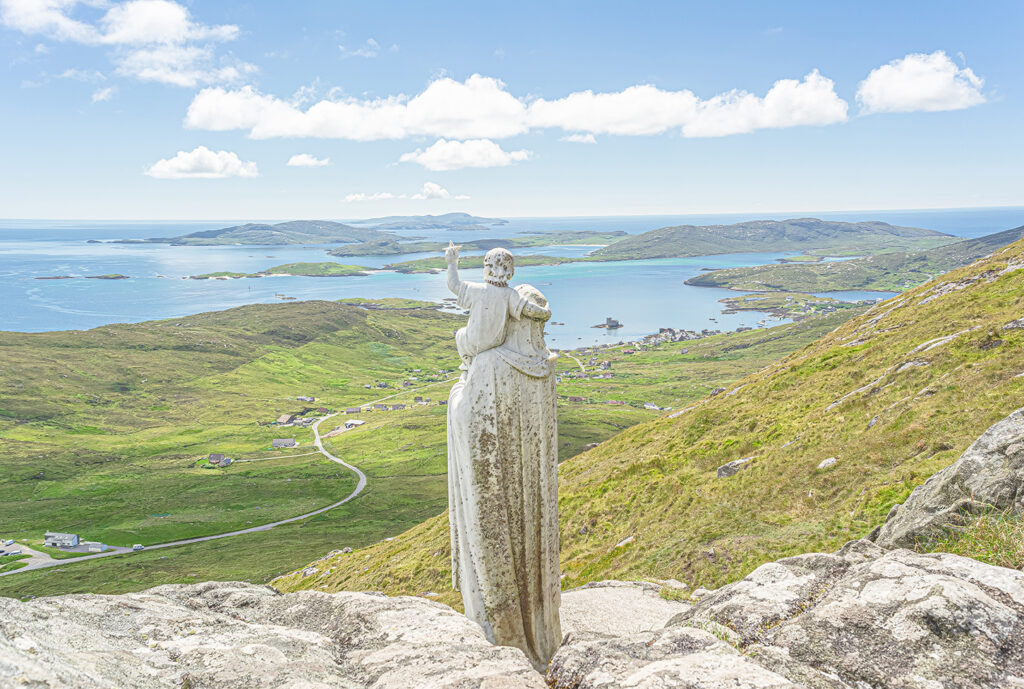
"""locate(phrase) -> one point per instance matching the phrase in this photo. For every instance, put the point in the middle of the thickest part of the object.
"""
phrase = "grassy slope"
(100, 430)
(804, 235)
(663, 375)
(656, 481)
(887, 272)
(402, 452)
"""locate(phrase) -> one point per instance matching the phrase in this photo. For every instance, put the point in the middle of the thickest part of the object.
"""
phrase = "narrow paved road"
(37, 563)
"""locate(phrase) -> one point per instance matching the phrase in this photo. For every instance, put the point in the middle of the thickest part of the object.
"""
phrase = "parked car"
(138, 546)
(10, 542)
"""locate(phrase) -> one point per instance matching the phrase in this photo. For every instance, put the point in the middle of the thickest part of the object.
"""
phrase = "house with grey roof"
(284, 442)
(56, 539)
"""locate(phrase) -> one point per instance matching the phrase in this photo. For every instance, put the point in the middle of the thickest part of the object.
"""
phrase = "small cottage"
(284, 442)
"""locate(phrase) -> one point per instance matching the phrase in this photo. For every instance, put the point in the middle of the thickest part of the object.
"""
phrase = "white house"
(55, 539)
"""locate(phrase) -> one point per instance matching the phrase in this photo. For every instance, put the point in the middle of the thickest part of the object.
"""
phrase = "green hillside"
(892, 395)
(808, 235)
(101, 430)
(892, 272)
(111, 450)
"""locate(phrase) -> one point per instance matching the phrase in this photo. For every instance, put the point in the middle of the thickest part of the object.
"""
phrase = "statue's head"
(498, 267)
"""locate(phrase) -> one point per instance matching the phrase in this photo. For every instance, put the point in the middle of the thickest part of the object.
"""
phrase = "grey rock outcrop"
(231, 635)
(732, 468)
(989, 475)
(681, 657)
(861, 617)
(616, 608)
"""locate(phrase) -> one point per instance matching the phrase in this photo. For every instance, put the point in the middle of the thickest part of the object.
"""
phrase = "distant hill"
(886, 272)
(448, 221)
(385, 247)
(801, 234)
(830, 438)
(285, 233)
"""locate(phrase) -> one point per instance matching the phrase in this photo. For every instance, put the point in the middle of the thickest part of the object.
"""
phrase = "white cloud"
(579, 139)
(479, 107)
(429, 191)
(202, 163)
(152, 40)
(646, 110)
(920, 82)
(103, 94)
(179, 65)
(379, 196)
(307, 160)
(455, 155)
(83, 75)
(482, 108)
(789, 103)
(368, 49)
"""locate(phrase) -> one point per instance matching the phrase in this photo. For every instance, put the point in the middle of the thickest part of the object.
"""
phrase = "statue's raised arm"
(451, 257)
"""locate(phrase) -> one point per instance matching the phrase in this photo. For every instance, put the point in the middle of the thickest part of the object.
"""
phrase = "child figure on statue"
(490, 304)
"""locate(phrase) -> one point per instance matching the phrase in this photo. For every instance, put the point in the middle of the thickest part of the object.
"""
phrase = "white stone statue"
(503, 462)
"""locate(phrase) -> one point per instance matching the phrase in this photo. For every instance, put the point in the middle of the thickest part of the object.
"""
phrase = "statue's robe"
(502, 490)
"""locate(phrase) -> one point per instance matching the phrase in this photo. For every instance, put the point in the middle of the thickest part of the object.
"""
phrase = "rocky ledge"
(861, 618)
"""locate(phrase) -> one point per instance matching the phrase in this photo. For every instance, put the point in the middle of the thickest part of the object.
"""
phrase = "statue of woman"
(503, 462)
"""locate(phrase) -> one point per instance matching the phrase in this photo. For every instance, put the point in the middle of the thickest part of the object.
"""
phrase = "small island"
(327, 269)
(111, 276)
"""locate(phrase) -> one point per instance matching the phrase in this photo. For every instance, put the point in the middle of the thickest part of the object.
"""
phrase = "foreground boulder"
(862, 617)
(988, 476)
(231, 635)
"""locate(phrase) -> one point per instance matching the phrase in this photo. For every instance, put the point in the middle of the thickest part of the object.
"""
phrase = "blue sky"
(151, 109)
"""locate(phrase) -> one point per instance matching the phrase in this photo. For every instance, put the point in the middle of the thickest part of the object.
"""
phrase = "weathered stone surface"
(864, 617)
(231, 635)
(774, 592)
(731, 468)
(988, 475)
(682, 657)
(616, 607)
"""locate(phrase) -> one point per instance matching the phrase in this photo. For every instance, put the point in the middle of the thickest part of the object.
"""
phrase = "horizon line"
(792, 213)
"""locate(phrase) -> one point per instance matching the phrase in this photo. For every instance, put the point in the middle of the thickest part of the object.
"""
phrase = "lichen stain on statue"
(503, 462)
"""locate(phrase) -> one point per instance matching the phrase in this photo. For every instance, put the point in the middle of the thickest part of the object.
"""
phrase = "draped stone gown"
(502, 489)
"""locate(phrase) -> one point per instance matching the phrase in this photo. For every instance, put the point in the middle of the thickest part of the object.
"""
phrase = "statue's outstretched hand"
(451, 253)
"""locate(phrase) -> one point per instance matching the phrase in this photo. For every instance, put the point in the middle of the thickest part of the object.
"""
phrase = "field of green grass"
(111, 451)
(848, 395)
(100, 431)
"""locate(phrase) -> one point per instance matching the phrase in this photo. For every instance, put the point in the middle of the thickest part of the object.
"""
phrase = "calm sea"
(643, 295)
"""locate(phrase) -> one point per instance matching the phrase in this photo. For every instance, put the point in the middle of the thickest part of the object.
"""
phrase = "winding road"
(41, 560)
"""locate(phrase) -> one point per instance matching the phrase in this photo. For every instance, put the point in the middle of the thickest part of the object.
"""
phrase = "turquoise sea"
(643, 295)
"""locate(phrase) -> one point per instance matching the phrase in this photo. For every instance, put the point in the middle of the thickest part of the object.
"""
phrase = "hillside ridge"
(832, 437)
